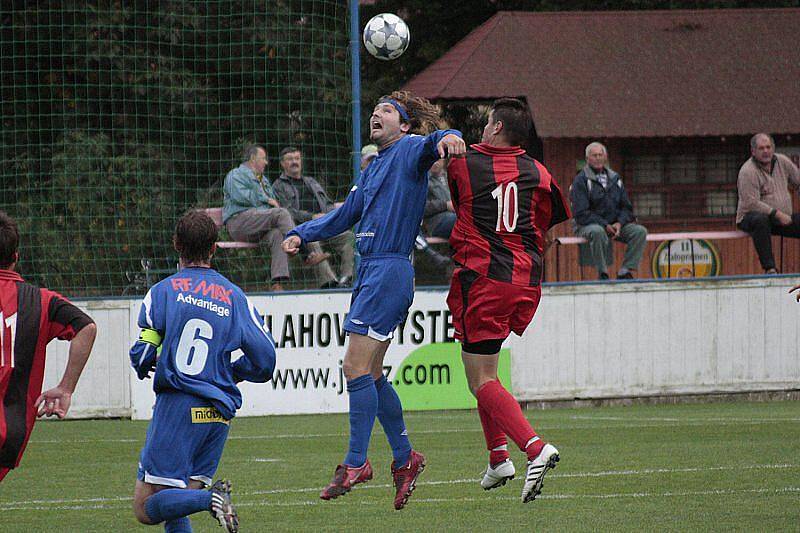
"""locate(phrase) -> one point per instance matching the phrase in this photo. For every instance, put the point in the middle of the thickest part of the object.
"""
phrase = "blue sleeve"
(334, 222)
(258, 361)
(428, 153)
(581, 210)
(144, 352)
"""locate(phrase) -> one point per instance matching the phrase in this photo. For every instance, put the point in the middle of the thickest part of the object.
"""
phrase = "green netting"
(118, 116)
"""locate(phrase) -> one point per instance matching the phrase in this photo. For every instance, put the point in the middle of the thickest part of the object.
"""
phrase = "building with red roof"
(674, 95)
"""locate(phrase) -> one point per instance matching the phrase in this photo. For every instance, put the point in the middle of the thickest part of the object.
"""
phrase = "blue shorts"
(382, 295)
(184, 441)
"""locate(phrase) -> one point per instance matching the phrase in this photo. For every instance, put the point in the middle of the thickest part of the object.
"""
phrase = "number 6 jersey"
(505, 202)
(191, 322)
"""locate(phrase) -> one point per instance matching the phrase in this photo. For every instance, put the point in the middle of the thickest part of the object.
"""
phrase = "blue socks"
(363, 408)
(169, 504)
(178, 525)
(390, 414)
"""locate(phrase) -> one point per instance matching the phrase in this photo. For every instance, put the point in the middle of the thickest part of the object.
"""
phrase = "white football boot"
(537, 468)
(498, 476)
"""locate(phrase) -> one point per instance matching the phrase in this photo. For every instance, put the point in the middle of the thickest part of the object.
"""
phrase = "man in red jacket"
(505, 201)
(30, 318)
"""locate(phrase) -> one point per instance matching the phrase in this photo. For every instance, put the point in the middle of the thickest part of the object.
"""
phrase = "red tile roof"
(632, 73)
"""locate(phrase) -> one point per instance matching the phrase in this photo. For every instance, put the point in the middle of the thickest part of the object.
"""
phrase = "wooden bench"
(710, 235)
(674, 236)
(216, 215)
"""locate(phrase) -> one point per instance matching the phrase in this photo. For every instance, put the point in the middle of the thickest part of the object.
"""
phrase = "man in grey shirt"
(765, 205)
(306, 199)
(252, 213)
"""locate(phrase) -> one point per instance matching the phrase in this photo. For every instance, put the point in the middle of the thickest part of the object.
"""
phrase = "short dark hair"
(516, 119)
(195, 235)
(251, 150)
(289, 150)
(9, 240)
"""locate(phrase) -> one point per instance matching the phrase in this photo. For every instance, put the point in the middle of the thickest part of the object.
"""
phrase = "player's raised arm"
(440, 144)
(258, 347)
(330, 225)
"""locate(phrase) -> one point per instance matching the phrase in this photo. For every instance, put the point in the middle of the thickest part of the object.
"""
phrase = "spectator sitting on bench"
(306, 199)
(603, 212)
(439, 217)
(765, 205)
(251, 213)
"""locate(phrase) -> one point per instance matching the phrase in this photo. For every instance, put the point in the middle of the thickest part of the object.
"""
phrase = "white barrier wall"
(608, 340)
(104, 388)
(587, 341)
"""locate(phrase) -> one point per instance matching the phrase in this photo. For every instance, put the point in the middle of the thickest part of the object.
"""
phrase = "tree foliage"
(118, 116)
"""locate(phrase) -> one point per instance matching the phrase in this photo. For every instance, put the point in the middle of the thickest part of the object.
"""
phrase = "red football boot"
(344, 478)
(405, 478)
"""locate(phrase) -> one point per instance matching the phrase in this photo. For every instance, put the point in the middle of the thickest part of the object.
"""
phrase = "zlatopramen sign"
(686, 258)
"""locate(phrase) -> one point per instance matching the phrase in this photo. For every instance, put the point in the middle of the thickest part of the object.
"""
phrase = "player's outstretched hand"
(795, 288)
(291, 245)
(451, 145)
(55, 401)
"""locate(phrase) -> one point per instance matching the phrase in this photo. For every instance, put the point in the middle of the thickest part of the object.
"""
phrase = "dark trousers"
(445, 226)
(761, 228)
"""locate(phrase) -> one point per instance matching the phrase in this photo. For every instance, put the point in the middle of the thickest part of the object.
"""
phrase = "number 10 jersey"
(505, 202)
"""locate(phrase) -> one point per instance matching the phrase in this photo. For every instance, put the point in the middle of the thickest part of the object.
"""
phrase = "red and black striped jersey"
(30, 317)
(505, 202)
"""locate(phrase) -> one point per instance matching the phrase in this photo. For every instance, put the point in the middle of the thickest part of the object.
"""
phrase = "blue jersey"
(388, 199)
(199, 318)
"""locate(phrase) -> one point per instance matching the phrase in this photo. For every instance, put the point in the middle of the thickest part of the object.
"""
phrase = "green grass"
(702, 467)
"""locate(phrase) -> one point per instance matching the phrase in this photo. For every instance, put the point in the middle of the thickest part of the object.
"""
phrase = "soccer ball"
(386, 36)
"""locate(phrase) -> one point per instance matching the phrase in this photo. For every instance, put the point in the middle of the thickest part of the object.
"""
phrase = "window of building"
(683, 184)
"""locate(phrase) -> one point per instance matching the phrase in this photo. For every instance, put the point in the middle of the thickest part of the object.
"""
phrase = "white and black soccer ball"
(386, 36)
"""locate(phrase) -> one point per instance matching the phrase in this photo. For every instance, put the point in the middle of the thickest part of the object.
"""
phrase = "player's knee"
(352, 371)
(140, 513)
(476, 382)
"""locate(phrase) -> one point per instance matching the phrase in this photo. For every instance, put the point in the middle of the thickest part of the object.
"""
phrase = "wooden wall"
(737, 256)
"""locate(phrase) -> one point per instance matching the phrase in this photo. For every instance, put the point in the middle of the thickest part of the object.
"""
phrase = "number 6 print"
(192, 349)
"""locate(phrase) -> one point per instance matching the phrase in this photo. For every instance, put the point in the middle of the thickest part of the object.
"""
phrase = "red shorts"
(484, 309)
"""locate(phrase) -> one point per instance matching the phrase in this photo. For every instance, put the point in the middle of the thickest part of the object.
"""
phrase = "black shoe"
(603, 276)
(626, 275)
(222, 509)
(345, 281)
(332, 284)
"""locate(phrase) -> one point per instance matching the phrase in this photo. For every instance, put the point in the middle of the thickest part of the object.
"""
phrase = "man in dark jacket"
(603, 212)
(439, 217)
(306, 199)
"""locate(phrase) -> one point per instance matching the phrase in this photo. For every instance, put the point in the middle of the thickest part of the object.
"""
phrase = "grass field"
(702, 467)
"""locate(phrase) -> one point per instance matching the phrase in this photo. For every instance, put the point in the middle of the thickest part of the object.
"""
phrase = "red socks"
(496, 441)
(504, 415)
